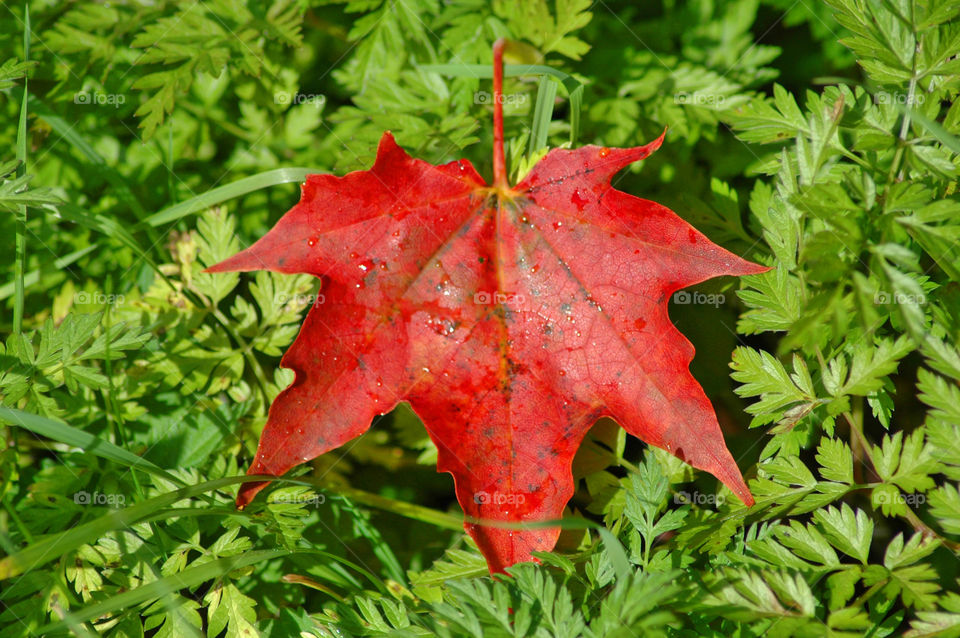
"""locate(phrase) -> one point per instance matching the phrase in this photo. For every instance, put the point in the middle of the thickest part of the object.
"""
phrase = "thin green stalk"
(27, 536)
(232, 190)
(19, 266)
(855, 421)
(904, 128)
(52, 546)
(247, 349)
(32, 277)
(858, 442)
(911, 96)
(401, 508)
(226, 125)
(115, 418)
(928, 531)
(171, 159)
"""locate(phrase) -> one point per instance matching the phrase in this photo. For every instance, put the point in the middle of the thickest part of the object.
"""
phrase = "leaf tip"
(239, 262)
(248, 491)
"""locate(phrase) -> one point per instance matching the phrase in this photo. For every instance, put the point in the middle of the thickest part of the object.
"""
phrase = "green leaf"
(945, 507)
(850, 532)
(836, 460)
(186, 579)
(72, 436)
(760, 374)
(229, 609)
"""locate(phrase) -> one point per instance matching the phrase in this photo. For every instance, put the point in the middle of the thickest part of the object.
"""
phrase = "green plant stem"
(200, 300)
(911, 96)
(115, 418)
(858, 442)
(223, 123)
(867, 595)
(928, 531)
(407, 510)
(20, 262)
(247, 349)
(27, 536)
(55, 545)
(856, 428)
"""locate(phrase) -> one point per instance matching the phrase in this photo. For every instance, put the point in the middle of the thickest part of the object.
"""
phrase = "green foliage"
(159, 138)
(14, 191)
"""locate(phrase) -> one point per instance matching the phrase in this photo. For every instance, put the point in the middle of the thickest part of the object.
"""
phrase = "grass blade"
(33, 276)
(52, 547)
(542, 114)
(109, 227)
(187, 579)
(69, 435)
(235, 189)
(69, 133)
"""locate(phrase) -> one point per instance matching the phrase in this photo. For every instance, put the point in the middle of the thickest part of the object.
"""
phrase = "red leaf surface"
(509, 318)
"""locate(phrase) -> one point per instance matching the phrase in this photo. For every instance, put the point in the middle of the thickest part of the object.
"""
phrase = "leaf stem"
(247, 349)
(919, 526)
(855, 422)
(856, 428)
(413, 511)
(499, 161)
(911, 96)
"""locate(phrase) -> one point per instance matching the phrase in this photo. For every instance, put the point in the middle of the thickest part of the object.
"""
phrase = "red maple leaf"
(510, 318)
